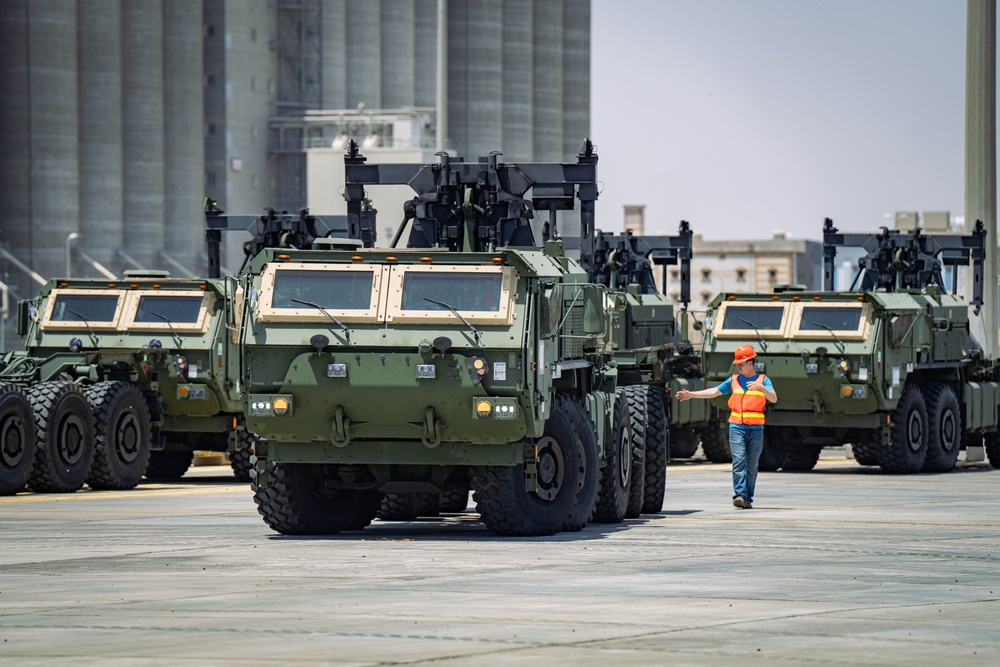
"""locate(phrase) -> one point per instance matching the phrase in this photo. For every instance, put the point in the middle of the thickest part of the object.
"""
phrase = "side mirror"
(594, 320)
(27, 313)
(549, 312)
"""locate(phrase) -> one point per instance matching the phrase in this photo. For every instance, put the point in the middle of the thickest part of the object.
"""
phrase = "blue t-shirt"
(727, 388)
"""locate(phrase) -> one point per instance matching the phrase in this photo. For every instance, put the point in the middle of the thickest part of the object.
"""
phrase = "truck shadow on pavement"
(466, 526)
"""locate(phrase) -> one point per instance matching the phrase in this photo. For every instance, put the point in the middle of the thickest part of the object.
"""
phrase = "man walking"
(749, 393)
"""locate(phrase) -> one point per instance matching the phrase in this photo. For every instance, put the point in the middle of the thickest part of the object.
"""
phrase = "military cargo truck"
(125, 378)
(893, 368)
(130, 377)
(472, 358)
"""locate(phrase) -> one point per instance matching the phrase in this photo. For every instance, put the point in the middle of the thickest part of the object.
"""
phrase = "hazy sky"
(745, 116)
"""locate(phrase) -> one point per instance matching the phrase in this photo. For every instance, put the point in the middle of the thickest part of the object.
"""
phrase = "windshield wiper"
(759, 337)
(475, 331)
(840, 343)
(177, 338)
(347, 332)
(90, 331)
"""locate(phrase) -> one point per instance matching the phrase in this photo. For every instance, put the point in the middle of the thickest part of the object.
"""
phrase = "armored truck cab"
(891, 369)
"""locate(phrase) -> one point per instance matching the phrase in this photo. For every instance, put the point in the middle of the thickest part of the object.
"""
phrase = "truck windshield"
(176, 309)
(764, 318)
(478, 292)
(826, 318)
(336, 290)
(84, 307)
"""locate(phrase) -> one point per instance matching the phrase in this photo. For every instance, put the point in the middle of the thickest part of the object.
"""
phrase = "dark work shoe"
(738, 502)
(747, 505)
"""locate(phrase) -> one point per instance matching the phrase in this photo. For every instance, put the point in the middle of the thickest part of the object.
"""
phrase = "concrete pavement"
(839, 566)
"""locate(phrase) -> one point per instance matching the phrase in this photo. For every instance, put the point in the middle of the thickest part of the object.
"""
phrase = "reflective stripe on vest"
(747, 406)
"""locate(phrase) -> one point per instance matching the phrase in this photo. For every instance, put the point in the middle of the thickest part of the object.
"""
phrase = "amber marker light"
(483, 408)
(426, 260)
(845, 392)
(392, 258)
(280, 406)
(157, 285)
(498, 260)
(817, 298)
(134, 285)
(183, 392)
(284, 256)
(357, 258)
(63, 284)
(112, 285)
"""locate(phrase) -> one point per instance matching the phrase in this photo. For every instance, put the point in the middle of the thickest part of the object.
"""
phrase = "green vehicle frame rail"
(892, 368)
(389, 382)
(126, 378)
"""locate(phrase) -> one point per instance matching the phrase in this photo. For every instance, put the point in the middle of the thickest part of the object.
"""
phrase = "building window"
(675, 296)
(772, 275)
(706, 296)
(674, 274)
(741, 275)
(706, 275)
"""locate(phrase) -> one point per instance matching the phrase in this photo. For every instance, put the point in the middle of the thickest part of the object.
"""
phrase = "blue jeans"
(746, 445)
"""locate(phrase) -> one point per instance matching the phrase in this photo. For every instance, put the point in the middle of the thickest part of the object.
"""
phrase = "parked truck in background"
(892, 368)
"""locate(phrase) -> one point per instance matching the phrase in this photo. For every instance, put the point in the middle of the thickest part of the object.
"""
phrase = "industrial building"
(121, 116)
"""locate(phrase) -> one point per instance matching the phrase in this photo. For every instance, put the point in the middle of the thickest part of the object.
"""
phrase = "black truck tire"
(17, 439)
(401, 506)
(123, 435)
(502, 501)
(169, 463)
(589, 462)
(910, 426)
(651, 432)
(637, 486)
(865, 453)
(773, 453)
(944, 436)
(992, 442)
(715, 443)
(454, 501)
(683, 443)
(297, 502)
(616, 475)
(239, 460)
(64, 432)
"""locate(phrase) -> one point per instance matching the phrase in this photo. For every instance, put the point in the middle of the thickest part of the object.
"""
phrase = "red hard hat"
(744, 353)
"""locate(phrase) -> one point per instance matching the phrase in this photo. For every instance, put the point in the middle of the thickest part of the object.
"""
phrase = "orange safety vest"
(747, 406)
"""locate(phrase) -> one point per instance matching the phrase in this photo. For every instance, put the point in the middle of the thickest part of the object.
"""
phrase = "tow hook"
(431, 437)
(341, 436)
